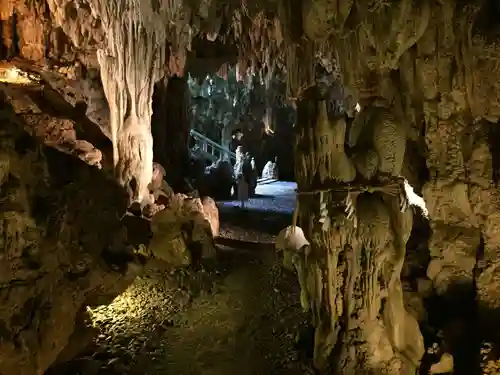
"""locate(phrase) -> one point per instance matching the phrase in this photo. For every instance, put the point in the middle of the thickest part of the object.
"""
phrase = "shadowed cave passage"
(237, 312)
(240, 309)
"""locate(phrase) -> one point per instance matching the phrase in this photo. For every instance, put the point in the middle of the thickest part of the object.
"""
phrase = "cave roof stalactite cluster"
(425, 77)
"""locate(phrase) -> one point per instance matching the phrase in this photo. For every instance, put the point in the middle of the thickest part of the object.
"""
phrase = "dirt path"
(238, 317)
(236, 330)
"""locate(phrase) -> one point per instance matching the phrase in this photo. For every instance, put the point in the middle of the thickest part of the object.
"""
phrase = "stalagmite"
(131, 63)
(292, 241)
(353, 267)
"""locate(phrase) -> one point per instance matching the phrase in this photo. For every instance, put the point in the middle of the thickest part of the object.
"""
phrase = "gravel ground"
(239, 315)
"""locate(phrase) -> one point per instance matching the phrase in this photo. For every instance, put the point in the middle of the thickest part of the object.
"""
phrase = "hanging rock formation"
(353, 266)
(130, 57)
(425, 72)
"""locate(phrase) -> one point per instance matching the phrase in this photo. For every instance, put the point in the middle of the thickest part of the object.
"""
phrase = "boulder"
(184, 230)
(211, 213)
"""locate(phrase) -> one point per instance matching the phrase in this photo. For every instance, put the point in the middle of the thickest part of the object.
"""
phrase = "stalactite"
(268, 118)
(300, 63)
(261, 48)
(240, 71)
(131, 63)
(223, 71)
(354, 266)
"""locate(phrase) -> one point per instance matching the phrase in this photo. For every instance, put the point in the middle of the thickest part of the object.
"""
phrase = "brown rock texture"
(184, 230)
(425, 76)
(211, 214)
(55, 257)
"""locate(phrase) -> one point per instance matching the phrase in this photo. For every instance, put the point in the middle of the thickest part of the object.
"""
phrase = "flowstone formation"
(418, 72)
(132, 50)
(354, 210)
(131, 63)
(358, 235)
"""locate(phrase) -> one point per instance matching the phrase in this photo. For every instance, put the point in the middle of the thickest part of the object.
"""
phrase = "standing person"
(236, 140)
(242, 190)
(275, 168)
(252, 176)
(239, 176)
(270, 170)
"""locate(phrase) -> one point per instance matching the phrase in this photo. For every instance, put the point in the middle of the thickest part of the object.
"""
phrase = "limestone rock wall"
(460, 107)
(433, 67)
(439, 75)
(22, 30)
(62, 243)
(55, 258)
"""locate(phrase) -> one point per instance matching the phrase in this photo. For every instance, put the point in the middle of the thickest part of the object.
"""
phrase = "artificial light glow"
(358, 107)
(268, 130)
(13, 75)
(416, 200)
(267, 123)
(132, 309)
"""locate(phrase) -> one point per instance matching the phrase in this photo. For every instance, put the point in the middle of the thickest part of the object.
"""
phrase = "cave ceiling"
(63, 37)
(73, 60)
(443, 53)
(50, 50)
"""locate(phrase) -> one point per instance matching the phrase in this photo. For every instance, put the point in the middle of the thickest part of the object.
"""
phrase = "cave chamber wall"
(56, 259)
(434, 79)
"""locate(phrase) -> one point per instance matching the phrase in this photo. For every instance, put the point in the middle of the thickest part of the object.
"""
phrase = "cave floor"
(268, 212)
(238, 315)
(271, 197)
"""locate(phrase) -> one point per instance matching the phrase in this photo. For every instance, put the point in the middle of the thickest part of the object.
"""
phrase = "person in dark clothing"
(236, 140)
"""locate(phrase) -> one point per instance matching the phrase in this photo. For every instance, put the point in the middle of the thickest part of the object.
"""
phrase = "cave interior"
(268, 187)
